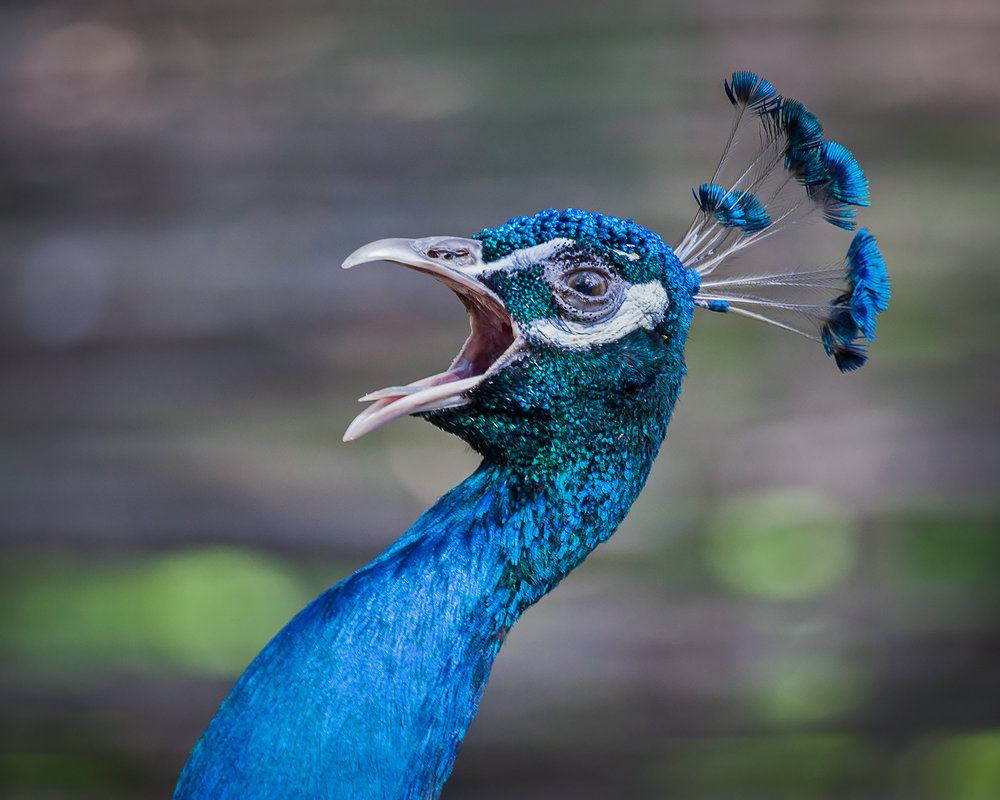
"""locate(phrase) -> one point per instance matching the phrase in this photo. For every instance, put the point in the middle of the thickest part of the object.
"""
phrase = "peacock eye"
(587, 294)
(587, 282)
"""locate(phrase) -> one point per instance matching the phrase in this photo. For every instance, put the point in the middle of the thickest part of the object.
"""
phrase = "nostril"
(448, 254)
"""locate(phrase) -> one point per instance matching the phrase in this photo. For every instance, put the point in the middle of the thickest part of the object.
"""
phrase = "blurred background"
(804, 603)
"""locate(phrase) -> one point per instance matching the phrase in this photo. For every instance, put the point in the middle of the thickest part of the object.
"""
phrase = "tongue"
(400, 401)
(410, 388)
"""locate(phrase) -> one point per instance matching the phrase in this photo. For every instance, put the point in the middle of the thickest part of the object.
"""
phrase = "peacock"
(565, 387)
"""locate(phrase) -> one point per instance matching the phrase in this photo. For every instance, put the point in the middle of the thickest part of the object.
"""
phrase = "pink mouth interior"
(492, 336)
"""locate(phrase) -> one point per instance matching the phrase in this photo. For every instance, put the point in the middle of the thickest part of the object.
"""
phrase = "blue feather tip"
(854, 313)
(733, 209)
(831, 175)
(794, 172)
(749, 89)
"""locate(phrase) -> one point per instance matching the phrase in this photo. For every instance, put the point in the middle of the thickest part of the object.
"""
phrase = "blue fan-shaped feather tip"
(847, 181)
(849, 356)
(806, 166)
(869, 281)
(854, 313)
(749, 89)
(714, 199)
(804, 135)
(835, 211)
(755, 216)
(836, 182)
(799, 124)
(739, 209)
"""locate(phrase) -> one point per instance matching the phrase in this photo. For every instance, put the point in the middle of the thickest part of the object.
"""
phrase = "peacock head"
(578, 326)
(579, 320)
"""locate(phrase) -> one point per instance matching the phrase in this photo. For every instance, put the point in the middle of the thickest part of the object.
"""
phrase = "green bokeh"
(811, 765)
(785, 545)
(207, 610)
(960, 767)
(805, 687)
(947, 548)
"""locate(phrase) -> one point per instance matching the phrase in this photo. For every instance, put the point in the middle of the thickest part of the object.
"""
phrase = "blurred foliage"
(202, 611)
(948, 549)
(966, 767)
(780, 546)
(805, 765)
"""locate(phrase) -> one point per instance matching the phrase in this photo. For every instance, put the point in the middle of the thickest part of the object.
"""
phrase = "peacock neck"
(536, 525)
(390, 664)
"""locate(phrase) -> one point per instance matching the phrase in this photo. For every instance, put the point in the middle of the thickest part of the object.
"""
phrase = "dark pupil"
(588, 283)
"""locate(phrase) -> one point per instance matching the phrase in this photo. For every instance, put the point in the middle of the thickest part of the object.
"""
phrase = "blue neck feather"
(368, 692)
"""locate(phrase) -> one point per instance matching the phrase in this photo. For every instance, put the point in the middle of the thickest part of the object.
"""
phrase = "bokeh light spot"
(796, 688)
(210, 610)
(782, 545)
(207, 610)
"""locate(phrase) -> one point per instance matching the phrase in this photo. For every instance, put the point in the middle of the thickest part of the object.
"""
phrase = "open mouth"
(493, 342)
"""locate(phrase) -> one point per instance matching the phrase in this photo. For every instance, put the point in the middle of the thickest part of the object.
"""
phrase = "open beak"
(493, 342)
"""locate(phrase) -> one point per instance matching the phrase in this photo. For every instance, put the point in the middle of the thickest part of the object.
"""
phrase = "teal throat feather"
(565, 387)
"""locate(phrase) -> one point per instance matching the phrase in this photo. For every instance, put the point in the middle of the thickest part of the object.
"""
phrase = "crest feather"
(793, 173)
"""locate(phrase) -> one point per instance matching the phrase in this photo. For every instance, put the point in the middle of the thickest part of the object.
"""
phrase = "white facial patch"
(521, 259)
(643, 307)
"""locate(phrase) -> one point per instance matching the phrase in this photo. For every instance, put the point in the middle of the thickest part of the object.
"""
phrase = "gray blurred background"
(804, 601)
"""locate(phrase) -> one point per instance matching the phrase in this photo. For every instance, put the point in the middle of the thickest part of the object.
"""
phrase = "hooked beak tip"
(431, 253)
(381, 250)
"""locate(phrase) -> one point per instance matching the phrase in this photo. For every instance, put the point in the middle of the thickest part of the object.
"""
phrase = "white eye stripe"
(643, 307)
(527, 257)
